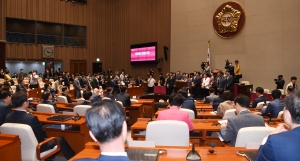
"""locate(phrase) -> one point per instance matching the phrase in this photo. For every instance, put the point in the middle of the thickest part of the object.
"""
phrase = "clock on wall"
(47, 51)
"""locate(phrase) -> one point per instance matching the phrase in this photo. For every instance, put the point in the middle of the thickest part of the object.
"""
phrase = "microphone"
(201, 111)
(270, 121)
(212, 145)
(193, 155)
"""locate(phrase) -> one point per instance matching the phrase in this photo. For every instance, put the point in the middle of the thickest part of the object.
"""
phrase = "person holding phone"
(280, 82)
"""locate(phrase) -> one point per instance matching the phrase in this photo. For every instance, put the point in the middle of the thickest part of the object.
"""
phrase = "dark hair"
(123, 89)
(242, 100)
(105, 120)
(227, 95)
(46, 85)
(293, 106)
(45, 95)
(220, 91)
(222, 73)
(4, 94)
(18, 99)
(87, 94)
(276, 94)
(236, 61)
(63, 89)
(108, 89)
(293, 78)
(290, 88)
(183, 92)
(280, 76)
(259, 90)
(176, 99)
(211, 90)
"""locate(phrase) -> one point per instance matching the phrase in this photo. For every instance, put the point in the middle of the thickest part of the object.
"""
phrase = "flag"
(208, 56)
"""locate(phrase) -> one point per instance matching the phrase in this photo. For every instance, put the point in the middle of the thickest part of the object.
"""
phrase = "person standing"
(279, 82)
(229, 81)
(221, 84)
(66, 80)
(151, 82)
(161, 79)
(205, 85)
(77, 86)
(238, 74)
(21, 75)
(292, 84)
(33, 80)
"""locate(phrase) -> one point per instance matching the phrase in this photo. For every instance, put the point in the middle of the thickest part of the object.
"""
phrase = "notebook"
(250, 155)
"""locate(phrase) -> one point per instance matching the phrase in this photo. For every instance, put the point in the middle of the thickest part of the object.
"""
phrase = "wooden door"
(77, 67)
(2, 55)
(49, 65)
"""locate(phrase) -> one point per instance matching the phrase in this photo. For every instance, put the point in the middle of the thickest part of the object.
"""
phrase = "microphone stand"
(193, 155)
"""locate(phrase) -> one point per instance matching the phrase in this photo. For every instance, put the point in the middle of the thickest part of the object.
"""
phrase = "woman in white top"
(151, 82)
(205, 85)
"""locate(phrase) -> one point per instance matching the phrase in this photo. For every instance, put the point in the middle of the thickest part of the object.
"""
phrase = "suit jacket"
(47, 75)
(68, 97)
(217, 102)
(85, 102)
(109, 95)
(197, 82)
(224, 106)
(235, 123)
(259, 99)
(274, 108)
(21, 76)
(116, 87)
(95, 83)
(49, 102)
(175, 114)
(19, 87)
(22, 117)
(280, 83)
(172, 81)
(66, 80)
(81, 81)
(138, 81)
(189, 104)
(221, 83)
(281, 147)
(106, 158)
(77, 84)
(124, 98)
(229, 82)
(210, 98)
(5, 109)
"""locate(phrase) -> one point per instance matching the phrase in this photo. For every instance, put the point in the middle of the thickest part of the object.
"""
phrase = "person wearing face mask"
(33, 80)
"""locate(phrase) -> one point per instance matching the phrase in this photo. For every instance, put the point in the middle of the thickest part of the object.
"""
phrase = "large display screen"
(143, 52)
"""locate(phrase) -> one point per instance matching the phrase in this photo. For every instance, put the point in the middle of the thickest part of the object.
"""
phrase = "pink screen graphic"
(143, 54)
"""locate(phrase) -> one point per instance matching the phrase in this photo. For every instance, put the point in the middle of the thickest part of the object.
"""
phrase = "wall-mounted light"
(43, 63)
(98, 59)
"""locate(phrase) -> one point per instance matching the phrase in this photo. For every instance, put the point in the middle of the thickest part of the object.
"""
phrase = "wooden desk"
(204, 107)
(77, 136)
(60, 106)
(135, 91)
(143, 109)
(175, 153)
(10, 147)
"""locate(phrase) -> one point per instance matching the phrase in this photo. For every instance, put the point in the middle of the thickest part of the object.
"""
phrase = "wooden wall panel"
(112, 26)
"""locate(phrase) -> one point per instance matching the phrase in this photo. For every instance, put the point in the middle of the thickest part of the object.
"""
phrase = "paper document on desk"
(222, 121)
(213, 112)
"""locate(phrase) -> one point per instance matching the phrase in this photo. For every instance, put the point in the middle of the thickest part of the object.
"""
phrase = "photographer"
(280, 82)
(229, 67)
(206, 69)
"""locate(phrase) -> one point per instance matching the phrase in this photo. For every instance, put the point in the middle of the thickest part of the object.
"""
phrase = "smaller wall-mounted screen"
(143, 53)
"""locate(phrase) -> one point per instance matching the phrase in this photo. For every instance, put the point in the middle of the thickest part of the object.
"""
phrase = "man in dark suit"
(116, 85)
(124, 97)
(172, 82)
(260, 97)
(197, 85)
(109, 94)
(5, 108)
(21, 86)
(47, 97)
(47, 88)
(47, 75)
(77, 86)
(109, 72)
(211, 97)
(279, 82)
(19, 115)
(187, 103)
(65, 93)
(106, 121)
(221, 81)
(282, 144)
(229, 81)
(21, 75)
(95, 83)
(219, 100)
(275, 106)
(244, 118)
(138, 81)
(87, 95)
(66, 80)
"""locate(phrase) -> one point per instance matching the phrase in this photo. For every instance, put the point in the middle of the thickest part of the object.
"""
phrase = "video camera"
(203, 65)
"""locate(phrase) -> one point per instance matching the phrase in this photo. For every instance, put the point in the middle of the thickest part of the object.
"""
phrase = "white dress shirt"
(205, 82)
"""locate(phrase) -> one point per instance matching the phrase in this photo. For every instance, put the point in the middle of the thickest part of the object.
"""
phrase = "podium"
(159, 90)
(179, 85)
(242, 89)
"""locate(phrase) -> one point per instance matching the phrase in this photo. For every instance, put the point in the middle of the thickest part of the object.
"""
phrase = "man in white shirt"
(292, 84)
(205, 85)
(151, 82)
(33, 80)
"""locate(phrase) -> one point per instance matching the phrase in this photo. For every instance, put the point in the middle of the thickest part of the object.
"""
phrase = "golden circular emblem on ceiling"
(229, 20)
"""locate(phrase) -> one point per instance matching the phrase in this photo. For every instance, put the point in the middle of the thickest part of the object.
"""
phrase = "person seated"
(87, 95)
(289, 90)
(187, 103)
(47, 97)
(65, 92)
(19, 115)
(123, 97)
(282, 144)
(21, 85)
(5, 107)
(244, 118)
(219, 100)
(275, 106)
(107, 125)
(174, 113)
(211, 97)
(260, 97)
(226, 105)
(47, 88)
(109, 93)
(95, 95)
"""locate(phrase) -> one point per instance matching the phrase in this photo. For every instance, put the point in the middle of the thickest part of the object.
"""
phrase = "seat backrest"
(81, 109)
(80, 100)
(280, 114)
(62, 99)
(28, 139)
(166, 133)
(260, 104)
(191, 112)
(120, 103)
(45, 108)
(282, 91)
(252, 135)
(229, 113)
(245, 82)
(105, 98)
(266, 91)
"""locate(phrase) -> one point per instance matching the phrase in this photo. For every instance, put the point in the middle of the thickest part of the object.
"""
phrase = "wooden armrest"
(38, 148)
